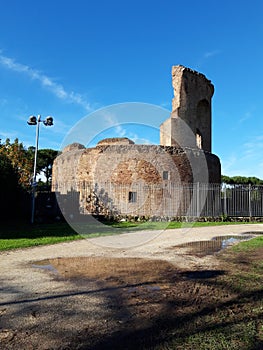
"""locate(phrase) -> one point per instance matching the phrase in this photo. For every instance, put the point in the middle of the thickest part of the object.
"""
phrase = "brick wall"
(107, 175)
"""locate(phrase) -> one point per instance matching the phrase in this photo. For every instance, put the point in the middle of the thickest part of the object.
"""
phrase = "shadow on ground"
(117, 303)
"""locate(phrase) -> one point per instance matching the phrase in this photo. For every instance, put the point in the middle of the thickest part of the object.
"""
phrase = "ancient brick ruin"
(192, 105)
(118, 177)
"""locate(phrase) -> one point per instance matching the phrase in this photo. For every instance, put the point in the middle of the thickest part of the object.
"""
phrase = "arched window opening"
(203, 111)
(199, 141)
(203, 125)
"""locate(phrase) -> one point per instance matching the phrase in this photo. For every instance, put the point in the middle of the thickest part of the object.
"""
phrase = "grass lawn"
(22, 236)
(249, 245)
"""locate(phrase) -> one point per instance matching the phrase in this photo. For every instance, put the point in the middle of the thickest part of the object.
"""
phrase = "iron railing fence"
(164, 199)
(242, 200)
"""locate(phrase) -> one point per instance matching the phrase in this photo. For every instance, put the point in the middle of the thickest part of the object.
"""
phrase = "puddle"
(130, 271)
(45, 265)
(203, 274)
(110, 271)
(213, 246)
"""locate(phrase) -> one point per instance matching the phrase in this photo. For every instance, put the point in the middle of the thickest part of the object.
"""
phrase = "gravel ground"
(40, 310)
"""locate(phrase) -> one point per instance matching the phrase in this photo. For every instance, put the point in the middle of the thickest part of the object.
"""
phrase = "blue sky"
(69, 58)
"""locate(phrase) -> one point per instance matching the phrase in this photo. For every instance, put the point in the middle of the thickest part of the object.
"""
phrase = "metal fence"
(164, 199)
(242, 200)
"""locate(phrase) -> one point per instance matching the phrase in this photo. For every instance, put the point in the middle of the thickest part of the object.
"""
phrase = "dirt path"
(42, 309)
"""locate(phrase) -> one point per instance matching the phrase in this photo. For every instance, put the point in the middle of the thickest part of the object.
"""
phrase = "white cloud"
(112, 122)
(61, 127)
(247, 161)
(138, 139)
(245, 117)
(206, 56)
(228, 164)
(209, 54)
(254, 146)
(56, 89)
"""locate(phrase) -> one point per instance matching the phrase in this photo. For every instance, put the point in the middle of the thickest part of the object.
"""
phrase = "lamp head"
(48, 121)
(32, 120)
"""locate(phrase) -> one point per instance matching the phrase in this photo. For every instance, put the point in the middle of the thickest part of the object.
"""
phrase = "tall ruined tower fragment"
(190, 122)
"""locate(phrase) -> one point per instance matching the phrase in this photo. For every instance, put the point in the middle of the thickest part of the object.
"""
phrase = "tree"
(241, 180)
(45, 162)
(9, 188)
(20, 159)
(16, 172)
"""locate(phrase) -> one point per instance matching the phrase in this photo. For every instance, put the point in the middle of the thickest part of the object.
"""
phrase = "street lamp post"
(36, 121)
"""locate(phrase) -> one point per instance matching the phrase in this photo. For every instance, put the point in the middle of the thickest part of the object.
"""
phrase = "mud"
(81, 297)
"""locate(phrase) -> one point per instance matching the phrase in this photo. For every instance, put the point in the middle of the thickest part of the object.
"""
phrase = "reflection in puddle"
(124, 271)
(203, 274)
(45, 265)
(110, 271)
(202, 248)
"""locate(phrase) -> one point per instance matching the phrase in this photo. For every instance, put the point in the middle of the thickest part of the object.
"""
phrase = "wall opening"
(203, 125)
(203, 111)
(199, 141)
(132, 197)
(165, 175)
